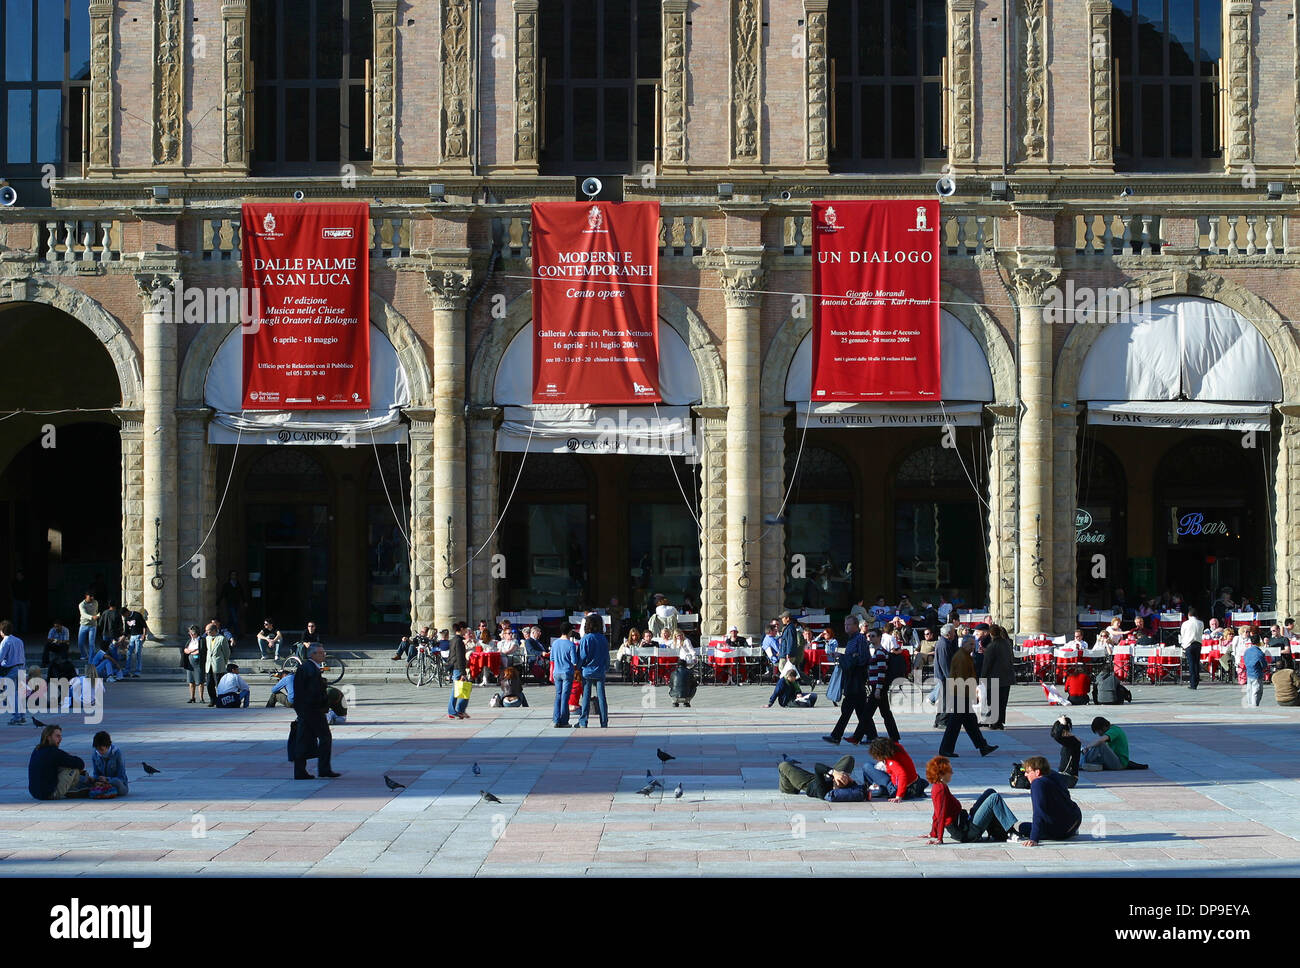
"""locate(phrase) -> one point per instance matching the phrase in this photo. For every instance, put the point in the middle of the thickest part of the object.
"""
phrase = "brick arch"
(975, 318)
(684, 320)
(104, 325)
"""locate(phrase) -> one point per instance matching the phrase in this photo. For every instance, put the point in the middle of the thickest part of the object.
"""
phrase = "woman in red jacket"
(897, 778)
(990, 812)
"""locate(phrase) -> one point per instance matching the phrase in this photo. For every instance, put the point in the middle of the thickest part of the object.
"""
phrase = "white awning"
(561, 429)
(1179, 414)
(963, 375)
(389, 392)
(679, 380)
(888, 414)
(1181, 346)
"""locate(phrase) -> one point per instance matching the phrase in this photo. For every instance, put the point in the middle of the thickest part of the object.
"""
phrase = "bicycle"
(331, 671)
(425, 665)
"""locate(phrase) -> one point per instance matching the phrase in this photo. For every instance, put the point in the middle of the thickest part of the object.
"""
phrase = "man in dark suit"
(853, 661)
(310, 703)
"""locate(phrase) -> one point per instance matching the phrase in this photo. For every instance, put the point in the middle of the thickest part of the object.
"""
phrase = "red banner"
(876, 302)
(307, 344)
(596, 302)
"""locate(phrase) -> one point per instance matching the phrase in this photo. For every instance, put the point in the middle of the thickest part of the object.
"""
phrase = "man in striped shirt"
(878, 689)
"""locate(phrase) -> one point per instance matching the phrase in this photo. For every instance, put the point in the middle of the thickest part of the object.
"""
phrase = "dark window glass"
(49, 105)
(1153, 120)
(903, 121)
(327, 125)
(18, 40)
(645, 122)
(50, 25)
(1181, 135)
(19, 148)
(297, 124)
(79, 40)
(617, 126)
(585, 115)
(647, 41)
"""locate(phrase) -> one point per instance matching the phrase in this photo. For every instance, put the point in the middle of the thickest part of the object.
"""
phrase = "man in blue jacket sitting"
(1056, 816)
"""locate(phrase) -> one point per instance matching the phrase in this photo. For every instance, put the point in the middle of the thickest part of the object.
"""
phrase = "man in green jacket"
(218, 659)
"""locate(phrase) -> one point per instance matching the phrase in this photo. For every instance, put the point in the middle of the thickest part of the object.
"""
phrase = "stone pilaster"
(1238, 86)
(427, 567)
(234, 47)
(383, 150)
(711, 426)
(1101, 81)
(673, 136)
(527, 107)
(1032, 81)
(1287, 510)
(102, 45)
(457, 88)
(168, 82)
(194, 569)
(1036, 504)
(746, 76)
(742, 282)
(776, 562)
(133, 553)
(961, 82)
(160, 510)
(1002, 517)
(485, 470)
(816, 83)
(448, 290)
(1065, 484)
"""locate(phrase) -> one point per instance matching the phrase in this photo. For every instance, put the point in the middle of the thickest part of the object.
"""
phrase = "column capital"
(447, 287)
(154, 288)
(1032, 282)
(710, 413)
(742, 277)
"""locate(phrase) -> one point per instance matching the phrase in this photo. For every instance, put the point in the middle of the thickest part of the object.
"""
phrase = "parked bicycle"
(426, 665)
(332, 671)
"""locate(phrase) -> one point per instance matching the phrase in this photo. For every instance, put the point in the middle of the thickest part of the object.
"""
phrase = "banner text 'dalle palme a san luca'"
(876, 303)
(309, 347)
(596, 302)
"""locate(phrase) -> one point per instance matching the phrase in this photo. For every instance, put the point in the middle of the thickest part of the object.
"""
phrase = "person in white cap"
(735, 640)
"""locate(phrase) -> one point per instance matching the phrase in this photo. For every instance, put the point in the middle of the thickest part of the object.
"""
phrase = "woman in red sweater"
(990, 812)
(894, 773)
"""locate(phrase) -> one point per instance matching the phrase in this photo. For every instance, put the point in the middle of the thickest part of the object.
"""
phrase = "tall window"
(309, 74)
(1167, 55)
(45, 73)
(600, 77)
(887, 63)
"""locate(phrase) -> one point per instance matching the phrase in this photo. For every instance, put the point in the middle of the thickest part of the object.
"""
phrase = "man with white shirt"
(1189, 637)
(13, 659)
(233, 691)
(508, 646)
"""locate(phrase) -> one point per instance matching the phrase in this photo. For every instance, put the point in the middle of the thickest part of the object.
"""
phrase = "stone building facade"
(744, 125)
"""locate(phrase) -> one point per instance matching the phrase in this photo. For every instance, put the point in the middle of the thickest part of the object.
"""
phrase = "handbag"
(463, 688)
(835, 686)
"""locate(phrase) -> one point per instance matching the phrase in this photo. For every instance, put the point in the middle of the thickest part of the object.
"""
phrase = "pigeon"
(654, 783)
(489, 797)
(663, 757)
(646, 790)
(36, 722)
(393, 784)
(786, 759)
(677, 793)
(477, 771)
(149, 769)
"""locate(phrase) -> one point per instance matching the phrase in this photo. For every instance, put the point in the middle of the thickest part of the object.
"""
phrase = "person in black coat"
(311, 703)
(853, 668)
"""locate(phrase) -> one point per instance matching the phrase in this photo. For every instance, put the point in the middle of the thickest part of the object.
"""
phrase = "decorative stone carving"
(816, 82)
(1033, 74)
(384, 81)
(1031, 284)
(447, 288)
(673, 135)
(234, 145)
(1101, 69)
(133, 532)
(1237, 86)
(1003, 467)
(101, 84)
(457, 80)
(168, 81)
(961, 82)
(713, 521)
(741, 288)
(746, 20)
(772, 548)
(426, 569)
(526, 81)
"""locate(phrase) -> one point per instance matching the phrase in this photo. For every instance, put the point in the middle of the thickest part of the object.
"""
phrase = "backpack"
(897, 666)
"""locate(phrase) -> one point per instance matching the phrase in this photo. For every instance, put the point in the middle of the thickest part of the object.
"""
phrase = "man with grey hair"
(311, 703)
(943, 653)
(853, 668)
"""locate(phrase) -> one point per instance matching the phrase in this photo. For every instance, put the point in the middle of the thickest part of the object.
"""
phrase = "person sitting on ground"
(106, 764)
(1107, 690)
(1056, 816)
(1285, 680)
(512, 690)
(107, 662)
(1070, 750)
(282, 691)
(232, 690)
(832, 783)
(787, 691)
(53, 774)
(1077, 684)
(893, 775)
(989, 814)
(1110, 750)
(335, 711)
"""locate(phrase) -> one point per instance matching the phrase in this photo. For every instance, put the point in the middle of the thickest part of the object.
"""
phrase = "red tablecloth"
(812, 660)
(1065, 664)
(726, 666)
(477, 660)
(660, 667)
(1163, 667)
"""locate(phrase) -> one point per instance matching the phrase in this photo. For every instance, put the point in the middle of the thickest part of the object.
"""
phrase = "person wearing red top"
(990, 812)
(1077, 684)
(898, 778)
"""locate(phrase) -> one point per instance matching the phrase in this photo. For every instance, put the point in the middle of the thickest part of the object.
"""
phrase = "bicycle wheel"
(291, 664)
(333, 670)
(414, 669)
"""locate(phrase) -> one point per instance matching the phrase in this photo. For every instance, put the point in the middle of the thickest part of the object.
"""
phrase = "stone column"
(160, 508)
(1238, 87)
(741, 282)
(673, 135)
(775, 560)
(448, 288)
(1101, 88)
(133, 554)
(234, 143)
(1065, 564)
(1036, 505)
(1002, 516)
(170, 50)
(817, 92)
(711, 424)
(194, 569)
(484, 469)
(427, 568)
(1287, 511)
(528, 121)
(383, 152)
(102, 45)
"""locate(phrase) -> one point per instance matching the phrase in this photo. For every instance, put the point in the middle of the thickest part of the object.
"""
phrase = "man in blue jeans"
(136, 628)
(593, 655)
(564, 657)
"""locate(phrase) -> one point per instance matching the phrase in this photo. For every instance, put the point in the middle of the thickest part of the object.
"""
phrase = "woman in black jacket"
(456, 657)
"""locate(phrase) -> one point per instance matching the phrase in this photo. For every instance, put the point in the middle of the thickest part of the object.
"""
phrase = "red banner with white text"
(876, 301)
(596, 302)
(307, 345)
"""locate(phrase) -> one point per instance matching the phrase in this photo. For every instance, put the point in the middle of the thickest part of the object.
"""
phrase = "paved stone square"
(1222, 796)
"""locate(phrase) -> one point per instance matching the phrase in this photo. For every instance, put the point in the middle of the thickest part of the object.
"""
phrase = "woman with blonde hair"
(625, 652)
